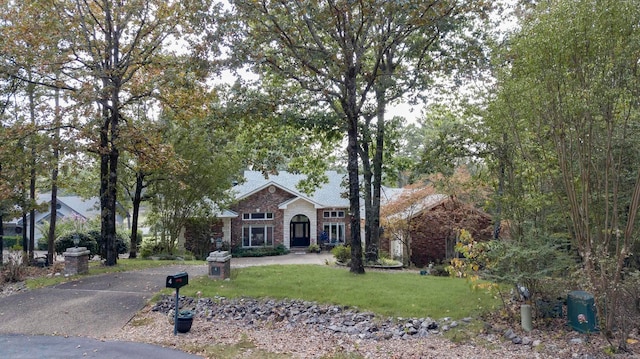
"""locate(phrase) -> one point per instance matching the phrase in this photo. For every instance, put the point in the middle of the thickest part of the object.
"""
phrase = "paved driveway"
(60, 321)
(97, 306)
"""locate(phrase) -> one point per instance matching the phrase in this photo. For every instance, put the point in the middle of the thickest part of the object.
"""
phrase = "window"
(257, 216)
(333, 214)
(335, 232)
(257, 236)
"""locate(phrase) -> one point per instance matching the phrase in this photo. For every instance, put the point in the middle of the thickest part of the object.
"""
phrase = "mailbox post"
(177, 281)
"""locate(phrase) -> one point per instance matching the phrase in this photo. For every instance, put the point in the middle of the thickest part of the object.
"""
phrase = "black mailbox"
(177, 280)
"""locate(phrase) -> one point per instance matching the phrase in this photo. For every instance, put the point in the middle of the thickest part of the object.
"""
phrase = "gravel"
(302, 329)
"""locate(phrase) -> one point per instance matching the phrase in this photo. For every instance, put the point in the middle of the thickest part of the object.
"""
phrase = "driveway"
(97, 306)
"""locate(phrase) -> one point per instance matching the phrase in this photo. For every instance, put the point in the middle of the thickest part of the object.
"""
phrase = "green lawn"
(395, 294)
(96, 267)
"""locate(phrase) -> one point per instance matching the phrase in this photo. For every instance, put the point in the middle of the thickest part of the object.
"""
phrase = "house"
(66, 207)
(424, 226)
(273, 211)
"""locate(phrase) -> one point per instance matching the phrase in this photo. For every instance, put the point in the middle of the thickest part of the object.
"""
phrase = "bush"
(198, 234)
(439, 270)
(314, 248)
(122, 242)
(341, 253)
(259, 252)
(13, 269)
(148, 248)
(66, 241)
(10, 241)
(43, 244)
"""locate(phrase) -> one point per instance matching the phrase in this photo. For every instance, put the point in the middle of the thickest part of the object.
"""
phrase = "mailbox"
(177, 280)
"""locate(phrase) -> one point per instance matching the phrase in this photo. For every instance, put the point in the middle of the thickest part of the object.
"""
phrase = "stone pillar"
(76, 260)
(219, 265)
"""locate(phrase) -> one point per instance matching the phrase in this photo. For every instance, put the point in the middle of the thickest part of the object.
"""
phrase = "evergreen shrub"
(342, 253)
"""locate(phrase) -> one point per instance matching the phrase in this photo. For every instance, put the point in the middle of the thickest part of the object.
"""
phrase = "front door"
(300, 230)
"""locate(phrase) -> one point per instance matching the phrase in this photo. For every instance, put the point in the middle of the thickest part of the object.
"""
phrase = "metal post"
(175, 318)
(525, 317)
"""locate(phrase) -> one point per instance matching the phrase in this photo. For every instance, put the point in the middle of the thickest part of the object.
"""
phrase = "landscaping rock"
(509, 334)
(332, 318)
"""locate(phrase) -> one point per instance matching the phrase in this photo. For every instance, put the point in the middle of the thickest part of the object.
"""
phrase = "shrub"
(259, 252)
(314, 248)
(148, 248)
(43, 244)
(122, 242)
(66, 241)
(10, 241)
(439, 270)
(13, 269)
(341, 253)
(198, 234)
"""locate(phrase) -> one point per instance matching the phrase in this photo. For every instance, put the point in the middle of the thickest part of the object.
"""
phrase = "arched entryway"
(300, 229)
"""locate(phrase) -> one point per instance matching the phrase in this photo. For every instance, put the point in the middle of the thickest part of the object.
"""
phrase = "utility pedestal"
(219, 265)
(76, 261)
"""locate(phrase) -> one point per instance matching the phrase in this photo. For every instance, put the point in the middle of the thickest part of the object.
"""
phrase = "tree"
(320, 48)
(567, 99)
(338, 53)
(113, 44)
(415, 43)
(196, 185)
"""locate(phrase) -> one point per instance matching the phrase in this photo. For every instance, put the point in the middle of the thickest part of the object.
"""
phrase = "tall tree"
(113, 42)
(338, 52)
(415, 42)
(568, 100)
(320, 47)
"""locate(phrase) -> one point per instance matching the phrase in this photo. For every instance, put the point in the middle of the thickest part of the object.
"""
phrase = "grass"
(397, 294)
(96, 267)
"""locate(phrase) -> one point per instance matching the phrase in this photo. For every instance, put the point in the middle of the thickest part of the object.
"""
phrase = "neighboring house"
(67, 207)
(429, 225)
(272, 211)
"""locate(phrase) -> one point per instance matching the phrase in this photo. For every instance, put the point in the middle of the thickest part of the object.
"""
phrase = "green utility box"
(581, 312)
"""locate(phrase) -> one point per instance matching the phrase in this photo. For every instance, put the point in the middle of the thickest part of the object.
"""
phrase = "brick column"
(76, 260)
(219, 265)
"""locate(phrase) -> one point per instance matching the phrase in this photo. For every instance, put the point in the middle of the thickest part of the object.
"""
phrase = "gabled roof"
(327, 195)
(411, 202)
(85, 207)
(81, 207)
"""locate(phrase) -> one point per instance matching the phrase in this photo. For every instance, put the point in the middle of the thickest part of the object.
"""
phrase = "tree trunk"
(371, 254)
(54, 184)
(25, 240)
(377, 174)
(104, 182)
(357, 265)
(137, 199)
(32, 177)
(54, 215)
(1, 230)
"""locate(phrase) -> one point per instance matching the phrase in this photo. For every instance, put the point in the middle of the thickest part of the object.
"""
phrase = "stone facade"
(76, 261)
